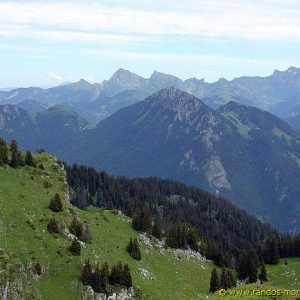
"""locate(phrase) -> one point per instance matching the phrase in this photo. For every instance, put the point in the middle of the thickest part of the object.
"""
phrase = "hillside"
(24, 201)
(25, 193)
(241, 153)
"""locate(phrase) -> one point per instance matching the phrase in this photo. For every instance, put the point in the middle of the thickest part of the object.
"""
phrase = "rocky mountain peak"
(125, 77)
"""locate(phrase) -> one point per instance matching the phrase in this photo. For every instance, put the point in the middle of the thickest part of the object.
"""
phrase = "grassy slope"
(24, 215)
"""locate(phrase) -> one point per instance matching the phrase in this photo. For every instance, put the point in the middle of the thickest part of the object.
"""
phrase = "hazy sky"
(49, 42)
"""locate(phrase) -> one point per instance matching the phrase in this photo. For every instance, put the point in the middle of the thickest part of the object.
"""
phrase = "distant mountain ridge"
(242, 153)
(277, 93)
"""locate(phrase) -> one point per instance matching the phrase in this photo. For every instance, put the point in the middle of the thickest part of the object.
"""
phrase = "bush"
(75, 247)
(53, 226)
(56, 203)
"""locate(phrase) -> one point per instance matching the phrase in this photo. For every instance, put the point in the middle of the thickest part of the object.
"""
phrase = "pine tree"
(274, 252)
(214, 281)
(87, 274)
(104, 277)
(252, 271)
(142, 221)
(29, 161)
(96, 283)
(119, 268)
(136, 252)
(156, 229)
(16, 156)
(129, 247)
(263, 273)
(75, 247)
(56, 204)
(86, 235)
(76, 227)
(193, 239)
(113, 277)
(225, 284)
(53, 226)
(3, 152)
(127, 279)
(231, 280)
(38, 269)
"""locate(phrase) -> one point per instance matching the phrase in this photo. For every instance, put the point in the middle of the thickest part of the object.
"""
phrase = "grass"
(25, 194)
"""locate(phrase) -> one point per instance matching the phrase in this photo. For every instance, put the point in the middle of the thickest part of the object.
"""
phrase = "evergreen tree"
(16, 155)
(129, 247)
(104, 277)
(136, 252)
(119, 268)
(86, 236)
(225, 280)
(263, 273)
(53, 226)
(231, 280)
(156, 229)
(214, 281)
(252, 271)
(38, 269)
(29, 161)
(193, 239)
(76, 227)
(142, 221)
(127, 279)
(87, 274)
(113, 277)
(75, 247)
(97, 283)
(3, 152)
(56, 203)
(133, 249)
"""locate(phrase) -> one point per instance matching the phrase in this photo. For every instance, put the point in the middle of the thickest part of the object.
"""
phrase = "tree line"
(186, 216)
(12, 156)
(100, 278)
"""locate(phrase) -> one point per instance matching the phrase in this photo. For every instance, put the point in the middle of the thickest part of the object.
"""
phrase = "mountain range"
(243, 153)
(277, 93)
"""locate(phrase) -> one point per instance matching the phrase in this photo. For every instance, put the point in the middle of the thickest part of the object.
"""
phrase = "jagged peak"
(172, 95)
(124, 75)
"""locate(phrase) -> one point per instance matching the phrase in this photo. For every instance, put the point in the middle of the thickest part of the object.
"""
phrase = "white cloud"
(138, 20)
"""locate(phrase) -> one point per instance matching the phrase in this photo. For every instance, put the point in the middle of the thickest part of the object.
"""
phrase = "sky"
(45, 43)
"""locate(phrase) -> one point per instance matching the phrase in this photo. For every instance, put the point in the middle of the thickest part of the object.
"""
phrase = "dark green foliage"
(193, 239)
(271, 252)
(3, 152)
(38, 269)
(76, 227)
(142, 220)
(87, 274)
(99, 279)
(224, 279)
(181, 236)
(223, 228)
(214, 281)
(133, 249)
(53, 226)
(263, 273)
(248, 266)
(29, 161)
(127, 279)
(86, 235)
(97, 283)
(157, 228)
(16, 155)
(75, 247)
(56, 203)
